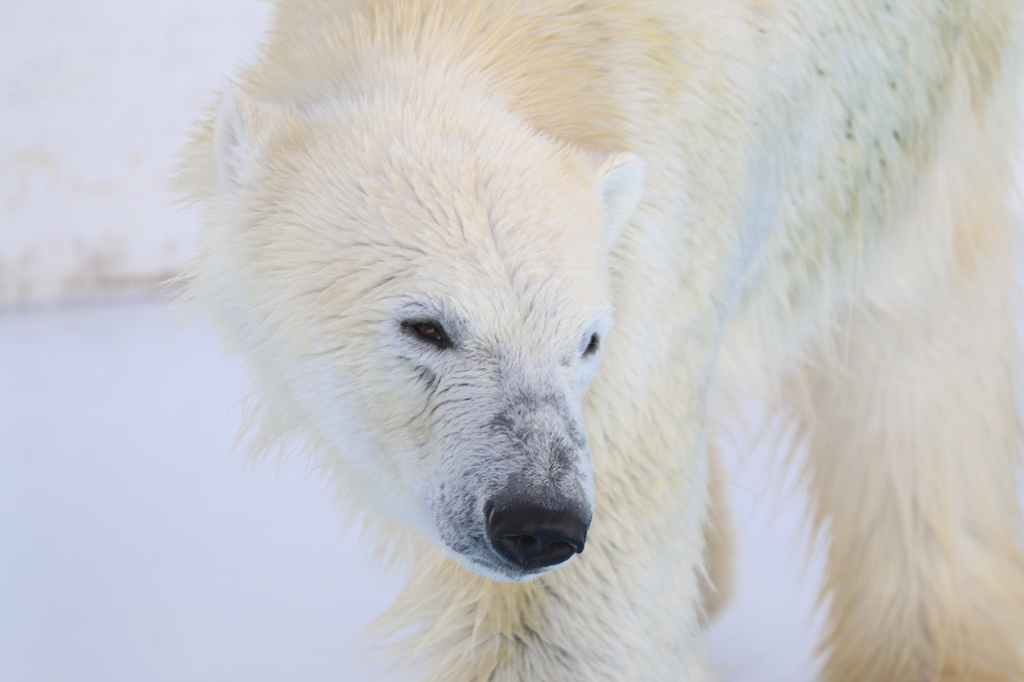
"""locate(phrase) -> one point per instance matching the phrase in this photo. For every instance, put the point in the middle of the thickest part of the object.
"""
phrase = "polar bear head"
(422, 284)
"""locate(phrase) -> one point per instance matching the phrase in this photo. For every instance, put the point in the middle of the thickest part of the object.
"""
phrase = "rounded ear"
(619, 180)
(240, 136)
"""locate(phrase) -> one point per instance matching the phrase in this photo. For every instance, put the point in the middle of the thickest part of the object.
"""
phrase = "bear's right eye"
(428, 330)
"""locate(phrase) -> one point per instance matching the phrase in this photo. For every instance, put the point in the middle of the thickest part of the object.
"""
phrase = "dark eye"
(429, 331)
(595, 342)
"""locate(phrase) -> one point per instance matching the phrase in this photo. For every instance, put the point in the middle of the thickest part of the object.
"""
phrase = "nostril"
(534, 537)
(528, 551)
(521, 544)
(561, 548)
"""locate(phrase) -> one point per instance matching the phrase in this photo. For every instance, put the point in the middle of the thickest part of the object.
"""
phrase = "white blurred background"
(134, 543)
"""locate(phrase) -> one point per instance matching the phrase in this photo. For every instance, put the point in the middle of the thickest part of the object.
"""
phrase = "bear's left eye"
(595, 342)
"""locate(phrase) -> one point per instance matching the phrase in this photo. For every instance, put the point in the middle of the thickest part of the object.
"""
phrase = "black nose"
(531, 536)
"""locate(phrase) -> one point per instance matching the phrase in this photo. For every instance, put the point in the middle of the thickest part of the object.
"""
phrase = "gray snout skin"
(540, 516)
(526, 499)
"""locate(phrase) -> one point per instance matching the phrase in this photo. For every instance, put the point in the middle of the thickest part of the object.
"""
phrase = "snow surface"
(135, 546)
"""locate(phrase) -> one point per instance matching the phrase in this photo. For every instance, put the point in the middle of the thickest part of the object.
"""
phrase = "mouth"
(500, 569)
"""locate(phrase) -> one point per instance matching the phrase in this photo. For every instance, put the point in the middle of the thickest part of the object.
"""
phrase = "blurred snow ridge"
(96, 100)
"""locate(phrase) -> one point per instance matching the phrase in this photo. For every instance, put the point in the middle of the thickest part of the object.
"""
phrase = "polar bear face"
(426, 292)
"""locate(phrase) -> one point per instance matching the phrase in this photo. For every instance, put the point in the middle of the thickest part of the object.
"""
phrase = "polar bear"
(502, 263)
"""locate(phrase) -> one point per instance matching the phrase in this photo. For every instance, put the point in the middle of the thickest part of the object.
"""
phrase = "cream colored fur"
(823, 225)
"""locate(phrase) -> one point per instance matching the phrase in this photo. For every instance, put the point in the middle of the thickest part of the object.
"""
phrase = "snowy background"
(134, 544)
